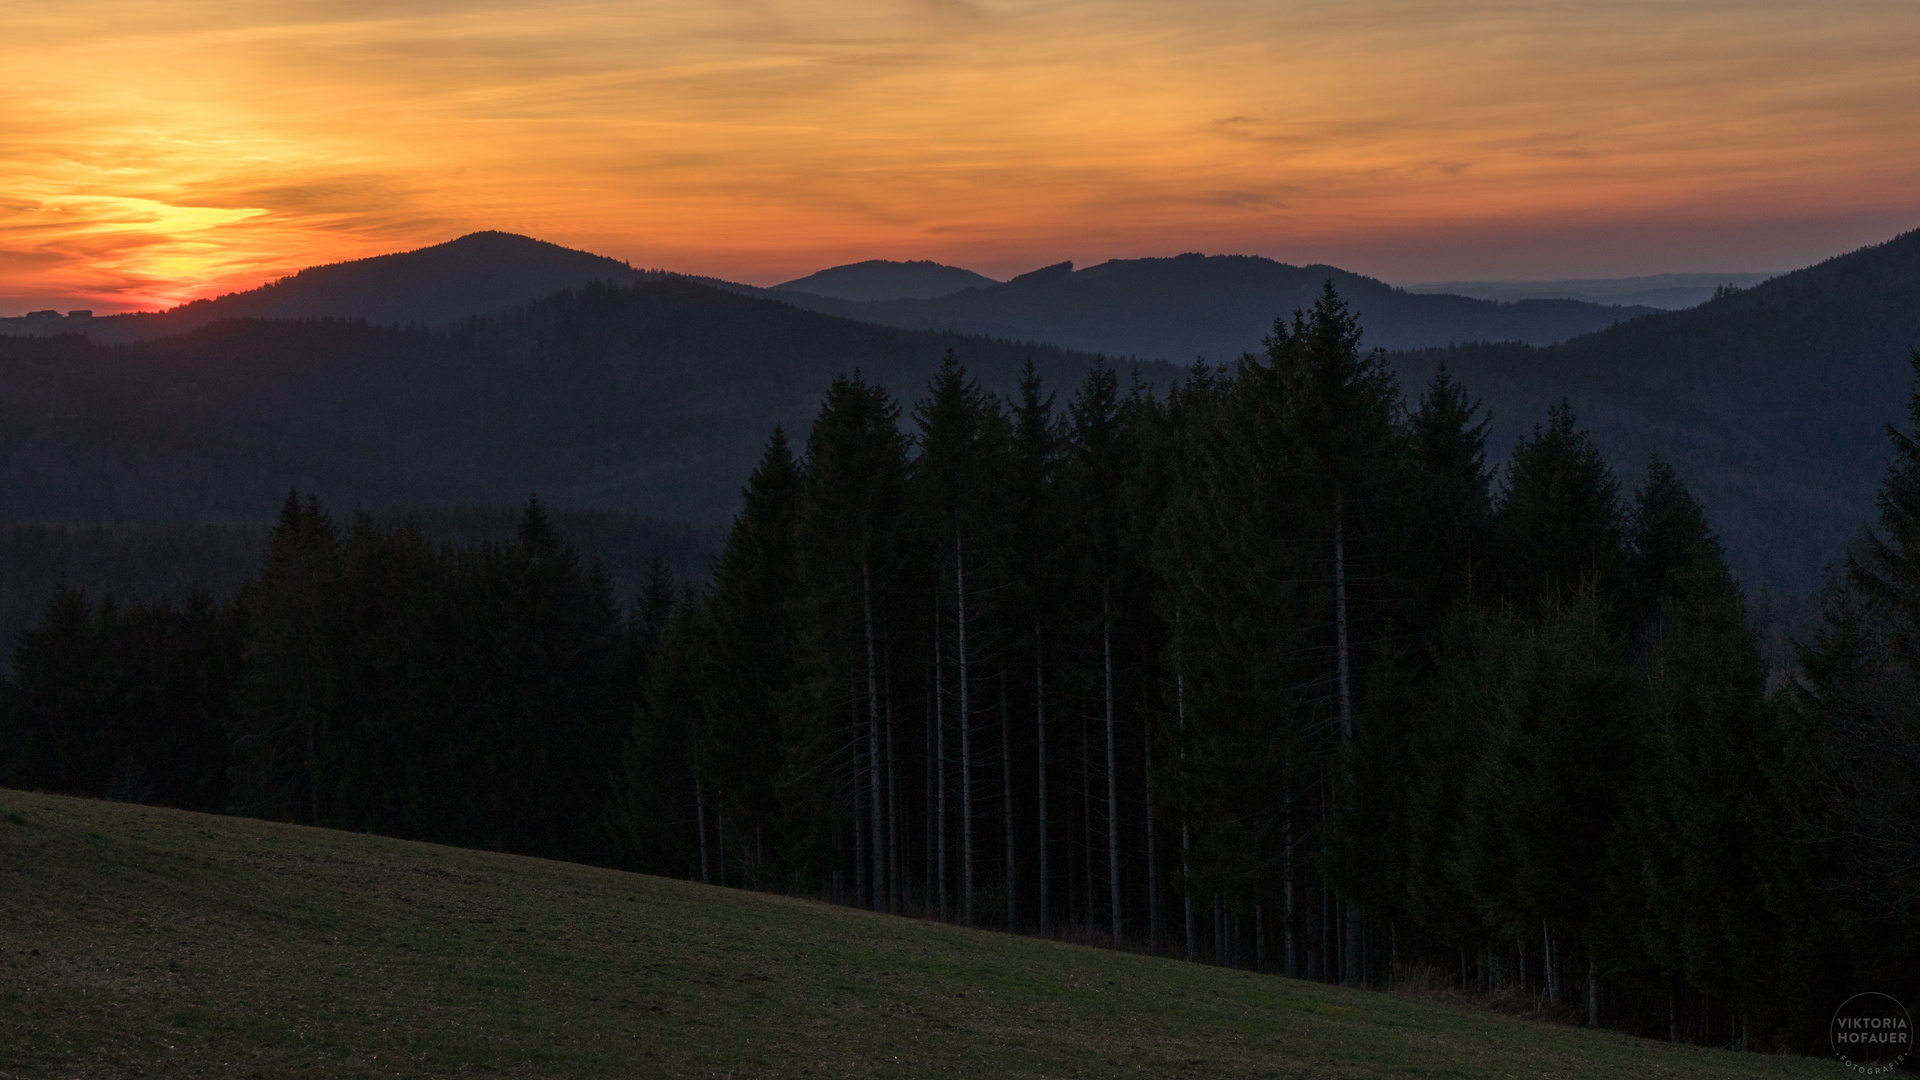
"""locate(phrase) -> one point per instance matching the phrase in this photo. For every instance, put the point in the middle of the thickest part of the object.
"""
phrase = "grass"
(137, 941)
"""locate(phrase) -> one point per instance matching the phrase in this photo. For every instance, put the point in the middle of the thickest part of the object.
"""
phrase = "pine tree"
(287, 701)
(1559, 527)
(1340, 408)
(1546, 798)
(848, 529)
(1698, 856)
(955, 480)
(1096, 475)
(1857, 693)
(1449, 506)
(1034, 527)
(751, 668)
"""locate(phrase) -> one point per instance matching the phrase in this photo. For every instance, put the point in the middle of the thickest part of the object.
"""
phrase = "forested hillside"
(1216, 307)
(1771, 402)
(649, 398)
(145, 562)
(1265, 671)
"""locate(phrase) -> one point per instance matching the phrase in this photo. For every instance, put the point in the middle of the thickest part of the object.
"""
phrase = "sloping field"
(136, 941)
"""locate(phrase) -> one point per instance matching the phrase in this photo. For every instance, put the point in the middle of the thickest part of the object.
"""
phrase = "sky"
(157, 151)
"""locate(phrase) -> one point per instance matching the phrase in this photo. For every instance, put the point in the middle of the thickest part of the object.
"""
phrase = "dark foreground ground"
(136, 941)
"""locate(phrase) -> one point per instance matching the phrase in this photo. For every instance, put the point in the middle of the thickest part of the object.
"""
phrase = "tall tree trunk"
(966, 735)
(1340, 622)
(1219, 931)
(313, 772)
(1356, 915)
(1153, 865)
(1113, 772)
(700, 821)
(1547, 958)
(877, 826)
(862, 896)
(1040, 741)
(927, 891)
(894, 899)
(1186, 836)
(1006, 792)
(1259, 940)
(1086, 815)
(1593, 994)
(1289, 965)
(720, 837)
(940, 757)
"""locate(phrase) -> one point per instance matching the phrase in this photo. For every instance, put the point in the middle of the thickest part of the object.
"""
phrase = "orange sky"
(156, 151)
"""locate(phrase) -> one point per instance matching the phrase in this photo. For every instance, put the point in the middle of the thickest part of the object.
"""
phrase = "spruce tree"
(1857, 693)
(1096, 478)
(1559, 526)
(956, 483)
(1340, 407)
(750, 671)
(288, 699)
(1698, 856)
(850, 511)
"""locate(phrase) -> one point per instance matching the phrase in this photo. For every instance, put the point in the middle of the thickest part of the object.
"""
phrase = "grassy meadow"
(137, 942)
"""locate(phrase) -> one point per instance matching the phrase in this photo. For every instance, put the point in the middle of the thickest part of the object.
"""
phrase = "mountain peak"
(885, 279)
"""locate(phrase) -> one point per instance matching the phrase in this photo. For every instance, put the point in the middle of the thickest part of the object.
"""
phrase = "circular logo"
(1872, 1033)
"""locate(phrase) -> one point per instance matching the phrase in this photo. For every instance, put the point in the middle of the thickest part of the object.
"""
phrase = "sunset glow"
(157, 152)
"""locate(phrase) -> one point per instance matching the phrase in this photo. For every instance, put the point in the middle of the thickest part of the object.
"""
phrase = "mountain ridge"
(653, 397)
(1772, 402)
(1212, 306)
(1217, 306)
(478, 274)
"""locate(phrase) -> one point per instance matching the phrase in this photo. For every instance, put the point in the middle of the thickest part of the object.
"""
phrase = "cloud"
(200, 146)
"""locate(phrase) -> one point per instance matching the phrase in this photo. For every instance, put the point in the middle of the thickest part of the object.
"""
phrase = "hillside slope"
(1772, 402)
(483, 273)
(654, 398)
(141, 940)
(1217, 306)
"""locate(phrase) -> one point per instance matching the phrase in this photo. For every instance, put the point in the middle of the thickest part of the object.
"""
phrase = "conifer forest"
(1266, 668)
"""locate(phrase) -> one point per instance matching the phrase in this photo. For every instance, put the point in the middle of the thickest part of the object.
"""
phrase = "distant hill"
(1216, 306)
(883, 279)
(1770, 402)
(1669, 292)
(1167, 309)
(653, 398)
(483, 273)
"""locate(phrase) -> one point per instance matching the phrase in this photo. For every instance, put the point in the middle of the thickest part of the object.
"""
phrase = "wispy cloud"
(157, 151)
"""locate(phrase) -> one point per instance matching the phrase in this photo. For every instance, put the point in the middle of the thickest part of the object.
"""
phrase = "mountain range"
(1771, 402)
(1211, 306)
(1669, 292)
(652, 393)
(1169, 309)
(653, 397)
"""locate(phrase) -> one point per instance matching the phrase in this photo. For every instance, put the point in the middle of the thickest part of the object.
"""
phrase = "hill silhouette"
(1215, 306)
(884, 279)
(1669, 292)
(1771, 402)
(1171, 309)
(653, 397)
(483, 273)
